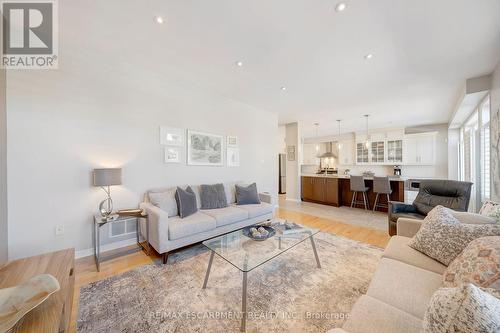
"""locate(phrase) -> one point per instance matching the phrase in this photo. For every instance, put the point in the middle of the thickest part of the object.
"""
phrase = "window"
(485, 149)
(475, 153)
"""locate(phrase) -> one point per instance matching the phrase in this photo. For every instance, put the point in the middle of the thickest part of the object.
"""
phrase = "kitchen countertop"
(391, 178)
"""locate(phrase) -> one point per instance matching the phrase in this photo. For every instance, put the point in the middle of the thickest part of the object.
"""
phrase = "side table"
(99, 223)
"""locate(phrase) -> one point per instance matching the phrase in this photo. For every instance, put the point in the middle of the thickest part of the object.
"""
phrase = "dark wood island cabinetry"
(335, 191)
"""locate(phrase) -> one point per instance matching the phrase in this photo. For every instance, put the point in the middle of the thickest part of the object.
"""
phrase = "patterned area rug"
(287, 294)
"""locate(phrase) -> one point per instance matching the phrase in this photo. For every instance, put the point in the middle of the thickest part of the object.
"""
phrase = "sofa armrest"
(158, 226)
(408, 227)
(266, 197)
(400, 207)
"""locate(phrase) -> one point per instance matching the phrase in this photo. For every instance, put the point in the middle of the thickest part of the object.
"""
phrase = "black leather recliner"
(433, 192)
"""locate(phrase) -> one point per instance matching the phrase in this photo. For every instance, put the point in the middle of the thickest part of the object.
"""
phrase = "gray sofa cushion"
(247, 195)
(213, 196)
(227, 215)
(257, 210)
(186, 202)
(193, 224)
(165, 200)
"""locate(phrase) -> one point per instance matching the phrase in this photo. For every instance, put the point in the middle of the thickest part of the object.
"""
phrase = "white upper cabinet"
(420, 149)
(346, 152)
(310, 154)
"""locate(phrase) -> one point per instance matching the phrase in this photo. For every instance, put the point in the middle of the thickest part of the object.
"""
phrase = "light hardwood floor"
(86, 271)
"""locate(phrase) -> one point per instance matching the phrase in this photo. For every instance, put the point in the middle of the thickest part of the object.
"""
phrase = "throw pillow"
(465, 309)
(479, 264)
(443, 237)
(247, 195)
(489, 208)
(165, 201)
(213, 196)
(186, 202)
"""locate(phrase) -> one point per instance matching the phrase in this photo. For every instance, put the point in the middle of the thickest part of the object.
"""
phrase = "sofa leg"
(164, 257)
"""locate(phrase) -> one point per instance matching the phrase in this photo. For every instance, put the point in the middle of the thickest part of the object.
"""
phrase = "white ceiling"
(423, 52)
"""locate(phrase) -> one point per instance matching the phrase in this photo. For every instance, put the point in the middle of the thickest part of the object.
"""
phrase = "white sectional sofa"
(167, 233)
(402, 286)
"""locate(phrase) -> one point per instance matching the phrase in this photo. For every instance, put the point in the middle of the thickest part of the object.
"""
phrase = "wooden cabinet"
(307, 188)
(419, 149)
(321, 190)
(332, 192)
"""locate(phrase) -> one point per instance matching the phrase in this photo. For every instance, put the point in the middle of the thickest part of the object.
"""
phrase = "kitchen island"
(335, 190)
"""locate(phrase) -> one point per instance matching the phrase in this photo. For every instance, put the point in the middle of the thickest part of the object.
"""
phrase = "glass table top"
(246, 254)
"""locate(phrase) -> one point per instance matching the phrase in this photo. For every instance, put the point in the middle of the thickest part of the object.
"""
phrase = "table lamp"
(105, 178)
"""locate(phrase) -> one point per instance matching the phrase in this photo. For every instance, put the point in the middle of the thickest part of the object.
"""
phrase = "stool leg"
(365, 201)
(388, 199)
(375, 203)
(353, 198)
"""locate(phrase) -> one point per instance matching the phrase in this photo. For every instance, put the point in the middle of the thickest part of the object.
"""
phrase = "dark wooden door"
(307, 188)
(332, 191)
(319, 189)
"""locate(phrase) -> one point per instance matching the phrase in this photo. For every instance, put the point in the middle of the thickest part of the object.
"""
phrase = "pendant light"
(317, 145)
(367, 142)
(339, 145)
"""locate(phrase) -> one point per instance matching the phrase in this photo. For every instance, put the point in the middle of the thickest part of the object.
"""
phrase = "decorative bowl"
(270, 230)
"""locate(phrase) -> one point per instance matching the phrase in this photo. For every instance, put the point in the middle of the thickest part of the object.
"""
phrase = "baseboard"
(105, 248)
(293, 200)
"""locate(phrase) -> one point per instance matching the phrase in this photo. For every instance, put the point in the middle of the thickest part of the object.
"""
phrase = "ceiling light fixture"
(239, 64)
(368, 56)
(367, 142)
(340, 7)
(339, 144)
(283, 88)
(159, 19)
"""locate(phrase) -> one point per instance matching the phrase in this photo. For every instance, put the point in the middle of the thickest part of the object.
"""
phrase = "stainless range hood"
(329, 151)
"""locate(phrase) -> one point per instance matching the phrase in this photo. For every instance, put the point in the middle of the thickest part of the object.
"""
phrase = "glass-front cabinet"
(377, 152)
(361, 153)
(395, 151)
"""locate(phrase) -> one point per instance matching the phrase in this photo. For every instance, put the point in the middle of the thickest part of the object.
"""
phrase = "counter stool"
(358, 185)
(381, 185)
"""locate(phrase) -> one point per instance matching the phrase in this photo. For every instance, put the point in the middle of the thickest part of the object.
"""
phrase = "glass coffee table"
(246, 254)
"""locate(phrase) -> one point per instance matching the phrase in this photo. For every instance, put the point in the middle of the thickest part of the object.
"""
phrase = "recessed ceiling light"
(368, 56)
(341, 6)
(159, 19)
(239, 64)
(283, 88)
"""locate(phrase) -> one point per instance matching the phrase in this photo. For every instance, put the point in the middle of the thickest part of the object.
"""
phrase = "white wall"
(281, 139)
(63, 123)
(453, 153)
(3, 173)
(293, 167)
(440, 168)
(495, 135)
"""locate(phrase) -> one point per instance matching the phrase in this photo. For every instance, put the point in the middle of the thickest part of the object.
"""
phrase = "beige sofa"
(402, 286)
(167, 233)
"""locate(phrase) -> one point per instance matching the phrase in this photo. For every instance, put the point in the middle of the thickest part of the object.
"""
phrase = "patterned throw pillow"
(489, 208)
(465, 309)
(443, 237)
(479, 264)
